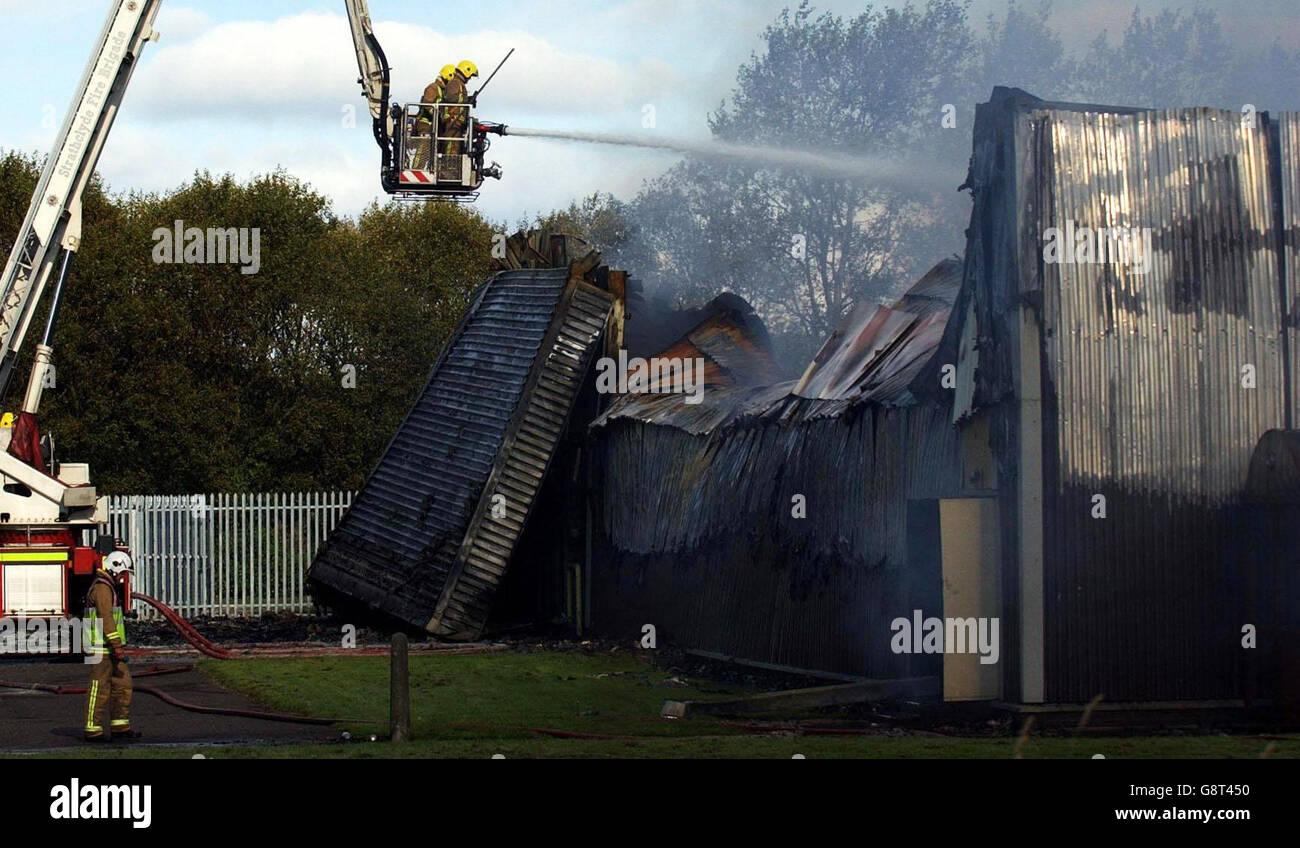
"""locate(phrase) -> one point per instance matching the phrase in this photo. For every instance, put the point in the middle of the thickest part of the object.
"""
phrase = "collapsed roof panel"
(876, 350)
(736, 352)
(517, 475)
(420, 543)
(873, 356)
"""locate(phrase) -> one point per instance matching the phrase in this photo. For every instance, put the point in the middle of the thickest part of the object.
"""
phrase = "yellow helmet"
(447, 72)
(468, 69)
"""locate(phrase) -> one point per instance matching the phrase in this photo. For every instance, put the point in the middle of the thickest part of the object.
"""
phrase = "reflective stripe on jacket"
(102, 606)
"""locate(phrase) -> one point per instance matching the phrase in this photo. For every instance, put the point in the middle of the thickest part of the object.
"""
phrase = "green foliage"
(18, 176)
(197, 377)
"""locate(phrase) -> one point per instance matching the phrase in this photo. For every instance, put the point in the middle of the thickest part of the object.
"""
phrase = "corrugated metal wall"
(395, 547)
(1148, 380)
(1288, 179)
(509, 494)
(1148, 367)
(695, 533)
(1156, 386)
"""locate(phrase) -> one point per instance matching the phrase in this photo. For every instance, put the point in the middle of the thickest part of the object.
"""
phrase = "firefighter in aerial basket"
(426, 123)
(110, 678)
(456, 118)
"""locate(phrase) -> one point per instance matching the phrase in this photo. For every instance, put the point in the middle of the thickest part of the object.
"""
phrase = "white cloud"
(245, 97)
(304, 64)
(134, 160)
(181, 23)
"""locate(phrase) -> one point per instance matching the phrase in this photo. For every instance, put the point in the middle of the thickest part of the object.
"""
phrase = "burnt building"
(1062, 443)
(1051, 436)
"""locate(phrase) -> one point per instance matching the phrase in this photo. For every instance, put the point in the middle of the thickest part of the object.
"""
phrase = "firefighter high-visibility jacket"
(455, 119)
(103, 608)
(432, 94)
(110, 677)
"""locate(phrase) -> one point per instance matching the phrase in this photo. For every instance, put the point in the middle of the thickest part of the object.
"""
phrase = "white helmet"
(118, 562)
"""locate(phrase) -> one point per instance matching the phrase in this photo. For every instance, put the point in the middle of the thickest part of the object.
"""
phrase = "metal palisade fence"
(239, 554)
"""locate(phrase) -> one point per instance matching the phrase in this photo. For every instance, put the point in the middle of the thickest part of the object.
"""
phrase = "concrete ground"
(31, 721)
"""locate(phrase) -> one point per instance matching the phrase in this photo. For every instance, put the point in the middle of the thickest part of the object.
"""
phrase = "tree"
(196, 377)
(902, 84)
(1022, 50)
(1170, 60)
(605, 222)
(803, 247)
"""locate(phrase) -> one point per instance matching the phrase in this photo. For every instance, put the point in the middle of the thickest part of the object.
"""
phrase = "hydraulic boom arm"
(374, 79)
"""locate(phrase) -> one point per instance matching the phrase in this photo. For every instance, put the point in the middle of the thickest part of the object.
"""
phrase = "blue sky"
(244, 87)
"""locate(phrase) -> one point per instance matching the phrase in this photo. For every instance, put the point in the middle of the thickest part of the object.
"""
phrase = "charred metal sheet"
(695, 533)
(730, 339)
(876, 351)
(718, 407)
(874, 355)
(521, 465)
(654, 324)
(695, 530)
(738, 370)
(934, 292)
(542, 248)
(867, 333)
(404, 545)
(737, 343)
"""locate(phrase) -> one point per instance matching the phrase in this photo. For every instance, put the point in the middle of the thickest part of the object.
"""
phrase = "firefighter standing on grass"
(110, 679)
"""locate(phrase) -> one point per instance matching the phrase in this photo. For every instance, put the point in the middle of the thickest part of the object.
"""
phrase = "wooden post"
(399, 691)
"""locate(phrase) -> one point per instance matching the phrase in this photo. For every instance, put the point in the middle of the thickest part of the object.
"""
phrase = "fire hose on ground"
(183, 627)
(205, 646)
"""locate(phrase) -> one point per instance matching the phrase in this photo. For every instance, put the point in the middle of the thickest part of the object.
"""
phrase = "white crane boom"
(54, 216)
(62, 496)
(370, 58)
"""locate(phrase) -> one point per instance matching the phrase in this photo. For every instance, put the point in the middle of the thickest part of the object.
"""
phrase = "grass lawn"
(478, 705)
